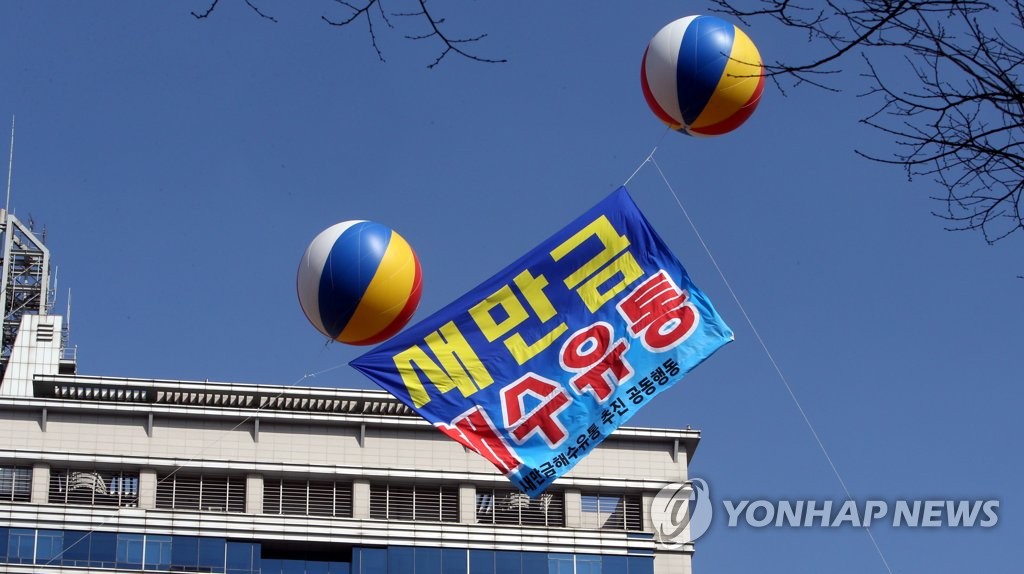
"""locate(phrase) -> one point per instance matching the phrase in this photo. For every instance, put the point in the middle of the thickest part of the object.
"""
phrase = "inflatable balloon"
(702, 75)
(359, 282)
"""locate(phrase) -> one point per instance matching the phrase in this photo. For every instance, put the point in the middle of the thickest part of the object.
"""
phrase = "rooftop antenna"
(10, 168)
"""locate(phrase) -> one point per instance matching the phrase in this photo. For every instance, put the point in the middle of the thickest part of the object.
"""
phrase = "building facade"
(107, 474)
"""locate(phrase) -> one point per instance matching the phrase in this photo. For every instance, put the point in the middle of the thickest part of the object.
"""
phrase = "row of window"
(417, 502)
(127, 551)
(418, 560)
(162, 553)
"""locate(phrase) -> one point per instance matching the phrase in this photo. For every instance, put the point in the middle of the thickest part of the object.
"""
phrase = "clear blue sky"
(182, 166)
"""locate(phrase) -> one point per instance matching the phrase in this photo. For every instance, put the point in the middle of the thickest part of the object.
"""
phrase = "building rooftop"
(266, 401)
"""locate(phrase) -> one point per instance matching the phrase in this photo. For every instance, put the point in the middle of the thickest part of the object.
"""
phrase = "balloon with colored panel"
(702, 75)
(359, 282)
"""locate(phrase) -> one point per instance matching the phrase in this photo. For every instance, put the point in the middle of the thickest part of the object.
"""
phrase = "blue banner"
(537, 365)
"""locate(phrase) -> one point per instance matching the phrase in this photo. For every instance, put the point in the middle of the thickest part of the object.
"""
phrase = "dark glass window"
(103, 549)
(400, 559)
(319, 567)
(535, 562)
(455, 561)
(588, 564)
(129, 550)
(21, 545)
(184, 552)
(372, 561)
(76, 547)
(615, 564)
(239, 557)
(49, 545)
(211, 553)
(428, 561)
(481, 562)
(561, 564)
(158, 552)
(506, 562)
(641, 565)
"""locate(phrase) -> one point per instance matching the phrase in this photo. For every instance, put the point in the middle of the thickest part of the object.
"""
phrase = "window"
(370, 560)
(125, 551)
(83, 549)
(307, 497)
(508, 562)
(94, 487)
(103, 549)
(129, 550)
(507, 506)
(612, 512)
(211, 553)
(428, 560)
(560, 564)
(419, 502)
(641, 564)
(21, 545)
(401, 559)
(49, 545)
(76, 548)
(211, 493)
(456, 560)
(194, 553)
(15, 483)
(240, 557)
(481, 562)
(158, 552)
(588, 564)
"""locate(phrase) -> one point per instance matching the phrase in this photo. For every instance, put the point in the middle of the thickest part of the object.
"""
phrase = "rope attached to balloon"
(703, 76)
(650, 159)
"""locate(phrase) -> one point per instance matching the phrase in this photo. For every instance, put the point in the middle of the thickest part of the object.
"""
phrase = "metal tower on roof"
(24, 279)
(25, 285)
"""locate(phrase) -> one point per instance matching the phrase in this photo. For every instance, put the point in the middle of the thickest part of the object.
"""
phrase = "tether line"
(757, 334)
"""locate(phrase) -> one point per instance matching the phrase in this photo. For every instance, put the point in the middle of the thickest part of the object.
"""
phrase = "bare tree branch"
(358, 12)
(213, 5)
(450, 45)
(957, 117)
(372, 12)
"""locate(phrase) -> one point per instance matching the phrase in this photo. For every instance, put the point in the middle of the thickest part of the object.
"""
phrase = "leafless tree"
(417, 18)
(956, 116)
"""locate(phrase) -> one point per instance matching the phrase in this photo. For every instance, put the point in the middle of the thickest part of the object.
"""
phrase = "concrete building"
(107, 474)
